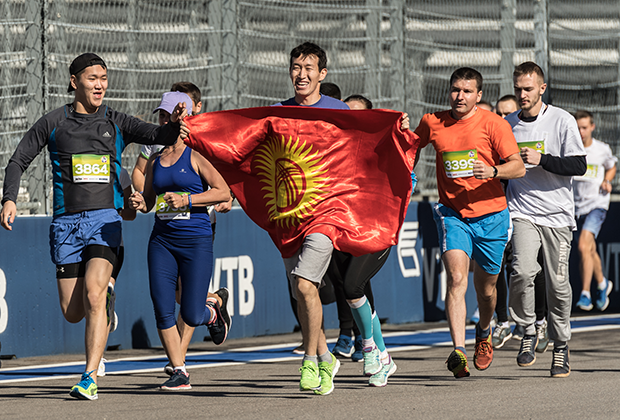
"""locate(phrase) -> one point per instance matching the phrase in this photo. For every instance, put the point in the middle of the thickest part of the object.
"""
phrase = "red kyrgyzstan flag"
(296, 171)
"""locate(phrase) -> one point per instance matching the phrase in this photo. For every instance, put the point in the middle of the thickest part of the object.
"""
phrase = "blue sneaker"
(86, 389)
(584, 303)
(475, 318)
(602, 296)
(344, 346)
(358, 354)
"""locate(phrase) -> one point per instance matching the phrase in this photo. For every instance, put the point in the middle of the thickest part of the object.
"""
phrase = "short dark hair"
(187, 87)
(582, 113)
(487, 103)
(331, 89)
(367, 103)
(82, 62)
(506, 98)
(529, 67)
(306, 49)
(467, 73)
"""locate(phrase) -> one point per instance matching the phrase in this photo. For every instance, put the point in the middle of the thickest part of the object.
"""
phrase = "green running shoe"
(86, 389)
(310, 379)
(457, 364)
(327, 371)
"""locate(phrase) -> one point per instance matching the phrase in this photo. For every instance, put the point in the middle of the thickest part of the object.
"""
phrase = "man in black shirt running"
(85, 140)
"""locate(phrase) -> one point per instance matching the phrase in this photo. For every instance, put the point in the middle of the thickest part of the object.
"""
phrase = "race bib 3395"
(459, 164)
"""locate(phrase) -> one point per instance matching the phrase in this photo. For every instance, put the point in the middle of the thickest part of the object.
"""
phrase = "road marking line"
(397, 341)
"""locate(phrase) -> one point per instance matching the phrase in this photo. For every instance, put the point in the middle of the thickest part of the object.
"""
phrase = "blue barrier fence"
(409, 288)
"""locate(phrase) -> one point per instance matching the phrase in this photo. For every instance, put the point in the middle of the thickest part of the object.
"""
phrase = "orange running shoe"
(457, 364)
(483, 353)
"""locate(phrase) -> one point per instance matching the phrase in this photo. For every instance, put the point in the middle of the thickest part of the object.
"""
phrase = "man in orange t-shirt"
(472, 217)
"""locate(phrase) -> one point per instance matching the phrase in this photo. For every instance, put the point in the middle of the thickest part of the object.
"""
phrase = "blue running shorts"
(482, 238)
(592, 221)
(71, 233)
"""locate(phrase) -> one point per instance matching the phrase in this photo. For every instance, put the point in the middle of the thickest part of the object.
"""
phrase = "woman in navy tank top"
(180, 184)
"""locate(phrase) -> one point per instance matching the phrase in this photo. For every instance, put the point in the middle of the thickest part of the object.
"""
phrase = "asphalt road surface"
(258, 378)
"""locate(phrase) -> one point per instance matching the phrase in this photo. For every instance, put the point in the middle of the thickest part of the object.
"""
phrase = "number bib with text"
(91, 168)
(459, 164)
(538, 145)
(591, 174)
(165, 212)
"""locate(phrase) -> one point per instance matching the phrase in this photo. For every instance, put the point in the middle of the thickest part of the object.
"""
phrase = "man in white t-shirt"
(591, 192)
(542, 211)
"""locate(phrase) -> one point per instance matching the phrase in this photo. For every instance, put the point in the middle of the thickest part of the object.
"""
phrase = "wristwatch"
(494, 171)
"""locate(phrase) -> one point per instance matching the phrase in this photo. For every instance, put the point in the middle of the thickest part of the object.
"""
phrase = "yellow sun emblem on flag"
(294, 179)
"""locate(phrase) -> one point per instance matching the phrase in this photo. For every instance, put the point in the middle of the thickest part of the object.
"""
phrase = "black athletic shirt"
(85, 152)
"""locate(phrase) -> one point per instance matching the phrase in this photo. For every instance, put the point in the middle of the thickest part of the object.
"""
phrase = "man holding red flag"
(307, 178)
(307, 267)
(472, 217)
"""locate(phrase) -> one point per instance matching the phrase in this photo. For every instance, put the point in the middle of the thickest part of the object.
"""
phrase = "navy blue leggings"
(192, 260)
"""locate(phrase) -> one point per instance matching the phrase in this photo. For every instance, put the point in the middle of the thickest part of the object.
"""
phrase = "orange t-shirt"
(485, 136)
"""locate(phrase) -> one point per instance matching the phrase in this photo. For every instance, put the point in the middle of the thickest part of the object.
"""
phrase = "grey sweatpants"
(527, 239)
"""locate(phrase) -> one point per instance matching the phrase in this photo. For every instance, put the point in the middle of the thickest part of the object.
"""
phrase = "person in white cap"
(181, 183)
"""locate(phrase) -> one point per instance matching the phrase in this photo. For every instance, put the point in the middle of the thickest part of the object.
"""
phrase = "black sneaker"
(457, 364)
(179, 381)
(560, 368)
(527, 355)
(223, 294)
(218, 329)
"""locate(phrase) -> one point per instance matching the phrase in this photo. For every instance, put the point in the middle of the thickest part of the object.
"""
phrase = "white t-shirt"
(147, 150)
(543, 197)
(587, 188)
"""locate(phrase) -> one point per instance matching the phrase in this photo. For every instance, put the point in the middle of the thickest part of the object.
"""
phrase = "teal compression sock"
(362, 314)
(376, 332)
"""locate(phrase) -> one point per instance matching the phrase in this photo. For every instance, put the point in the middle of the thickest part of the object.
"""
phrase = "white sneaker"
(109, 306)
(372, 360)
(381, 378)
(169, 369)
(101, 368)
